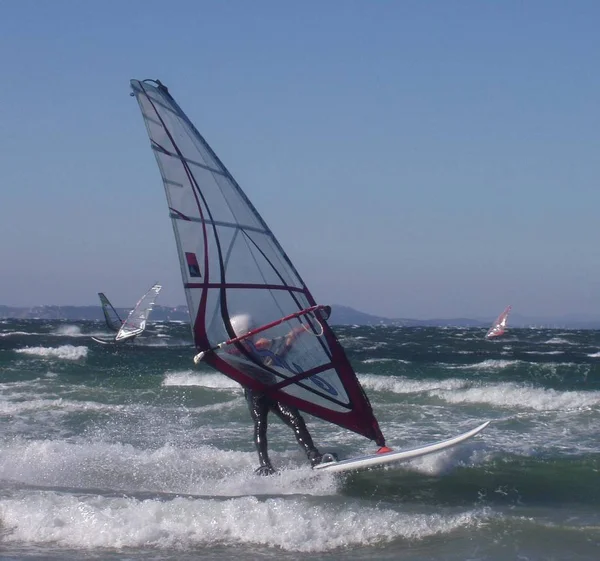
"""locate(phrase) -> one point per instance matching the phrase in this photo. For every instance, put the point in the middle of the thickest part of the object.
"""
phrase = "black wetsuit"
(260, 405)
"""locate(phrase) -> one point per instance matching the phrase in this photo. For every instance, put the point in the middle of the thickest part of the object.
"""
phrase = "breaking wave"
(64, 352)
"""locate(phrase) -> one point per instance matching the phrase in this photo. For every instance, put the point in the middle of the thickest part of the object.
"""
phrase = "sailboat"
(111, 317)
(499, 326)
(232, 264)
(135, 324)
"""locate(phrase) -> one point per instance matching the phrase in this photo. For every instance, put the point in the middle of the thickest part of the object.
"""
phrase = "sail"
(499, 326)
(113, 321)
(136, 320)
(231, 264)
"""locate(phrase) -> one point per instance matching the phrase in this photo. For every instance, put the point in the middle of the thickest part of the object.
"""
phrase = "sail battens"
(242, 285)
(157, 101)
(232, 265)
(151, 119)
(177, 215)
(173, 183)
(135, 323)
(166, 152)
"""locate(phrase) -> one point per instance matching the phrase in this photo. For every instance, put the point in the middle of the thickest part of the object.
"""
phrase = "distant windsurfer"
(260, 404)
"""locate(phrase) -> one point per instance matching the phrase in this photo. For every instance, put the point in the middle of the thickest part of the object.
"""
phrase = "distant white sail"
(136, 320)
(499, 326)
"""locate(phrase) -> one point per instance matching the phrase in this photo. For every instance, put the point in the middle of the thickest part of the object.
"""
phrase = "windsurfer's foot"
(317, 458)
(314, 457)
(265, 470)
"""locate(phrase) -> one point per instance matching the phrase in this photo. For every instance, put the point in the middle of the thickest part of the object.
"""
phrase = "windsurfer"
(260, 404)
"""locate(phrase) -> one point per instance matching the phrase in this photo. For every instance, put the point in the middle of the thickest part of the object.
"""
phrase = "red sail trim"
(357, 395)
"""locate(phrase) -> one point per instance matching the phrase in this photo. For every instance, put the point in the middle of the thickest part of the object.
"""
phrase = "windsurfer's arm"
(265, 344)
(293, 335)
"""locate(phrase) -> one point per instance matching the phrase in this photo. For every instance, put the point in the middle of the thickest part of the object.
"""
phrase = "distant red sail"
(499, 326)
(245, 271)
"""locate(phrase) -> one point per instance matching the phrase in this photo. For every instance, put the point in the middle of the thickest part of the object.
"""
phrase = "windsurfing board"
(103, 341)
(376, 460)
(113, 341)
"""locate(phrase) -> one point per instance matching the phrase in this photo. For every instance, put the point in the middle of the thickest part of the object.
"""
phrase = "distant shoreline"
(341, 315)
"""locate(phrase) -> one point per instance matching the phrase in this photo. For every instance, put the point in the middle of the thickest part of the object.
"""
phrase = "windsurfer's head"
(241, 324)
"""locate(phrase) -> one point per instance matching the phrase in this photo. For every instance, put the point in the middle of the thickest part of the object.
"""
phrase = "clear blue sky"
(415, 159)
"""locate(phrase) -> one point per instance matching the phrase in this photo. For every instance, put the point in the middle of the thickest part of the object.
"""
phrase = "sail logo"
(323, 384)
(192, 263)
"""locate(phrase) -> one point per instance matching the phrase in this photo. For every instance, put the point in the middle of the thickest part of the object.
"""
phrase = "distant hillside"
(344, 315)
(160, 313)
(340, 315)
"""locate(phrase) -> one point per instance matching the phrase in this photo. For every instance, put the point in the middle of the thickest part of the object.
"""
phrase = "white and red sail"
(232, 264)
(499, 326)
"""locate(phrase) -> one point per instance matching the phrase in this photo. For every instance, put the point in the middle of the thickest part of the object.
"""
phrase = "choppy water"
(131, 453)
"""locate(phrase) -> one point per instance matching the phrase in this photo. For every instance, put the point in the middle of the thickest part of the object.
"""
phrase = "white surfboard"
(103, 341)
(376, 460)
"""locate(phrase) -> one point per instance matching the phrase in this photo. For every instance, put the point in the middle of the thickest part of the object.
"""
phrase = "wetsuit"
(260, 405)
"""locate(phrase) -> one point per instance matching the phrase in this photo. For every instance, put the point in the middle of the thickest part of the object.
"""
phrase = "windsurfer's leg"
(259, 410)
(292, 418)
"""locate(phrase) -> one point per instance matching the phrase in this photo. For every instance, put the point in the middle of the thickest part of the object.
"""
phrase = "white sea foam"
(69, 331)
(559, 341)
(11, 333)
(402, 385)
(65, 352)
(504, 395)
(202, 470)
(376, 360)
(93, 521)
(205, 380)
(17, 407)
(517, 396)
(489, 364)
(375, 346)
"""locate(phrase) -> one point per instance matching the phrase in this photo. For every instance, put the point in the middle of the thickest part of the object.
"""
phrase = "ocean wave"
(515, 396)
(402, 385)
(376, 360)
(17, 407)
(95, 521)
(64, 352)
(489, 364)
(559, 341)
(504, 395)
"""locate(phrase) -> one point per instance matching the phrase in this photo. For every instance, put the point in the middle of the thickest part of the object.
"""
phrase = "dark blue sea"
(132, 453)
